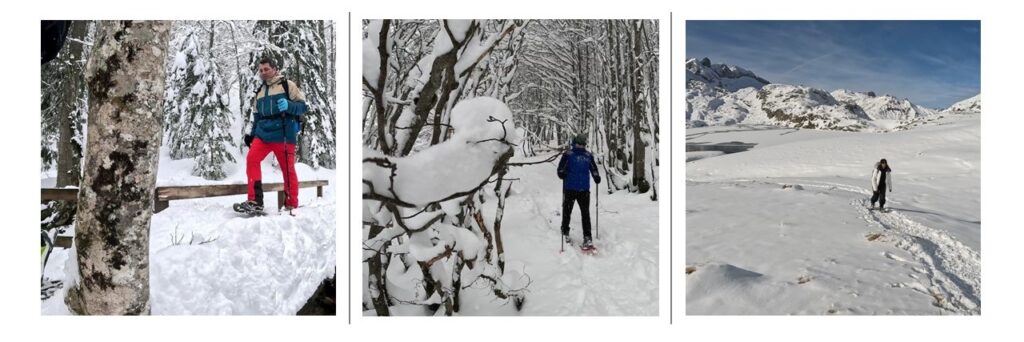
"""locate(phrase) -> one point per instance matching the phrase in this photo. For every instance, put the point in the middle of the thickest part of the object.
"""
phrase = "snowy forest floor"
(784, 228)
(253, 266)
(622, 279)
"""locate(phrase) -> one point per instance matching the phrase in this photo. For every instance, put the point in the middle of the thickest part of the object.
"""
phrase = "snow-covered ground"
(206, 259)
(784, 228)
(621, 280)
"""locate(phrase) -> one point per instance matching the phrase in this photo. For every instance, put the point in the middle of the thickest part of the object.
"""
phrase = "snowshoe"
(249, 208)
(588, 247)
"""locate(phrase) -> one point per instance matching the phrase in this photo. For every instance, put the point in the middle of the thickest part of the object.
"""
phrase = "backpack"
(287, 94)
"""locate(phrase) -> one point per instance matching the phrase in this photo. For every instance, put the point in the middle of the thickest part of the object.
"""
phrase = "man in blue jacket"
(277, 111)
(575, 169)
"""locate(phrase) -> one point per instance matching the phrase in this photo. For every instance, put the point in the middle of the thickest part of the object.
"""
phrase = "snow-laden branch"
(79, 41)
(549, 159)
(477, 50)
(482, 144)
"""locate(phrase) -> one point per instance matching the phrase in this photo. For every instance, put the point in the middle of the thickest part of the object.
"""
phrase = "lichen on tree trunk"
(125, 80)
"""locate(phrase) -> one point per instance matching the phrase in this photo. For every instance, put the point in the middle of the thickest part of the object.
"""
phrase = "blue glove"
(282, 105)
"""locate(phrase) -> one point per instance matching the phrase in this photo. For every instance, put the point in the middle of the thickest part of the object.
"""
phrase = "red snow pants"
(258, 150)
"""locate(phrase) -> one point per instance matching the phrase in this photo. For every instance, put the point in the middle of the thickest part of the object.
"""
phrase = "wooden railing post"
(159, 205)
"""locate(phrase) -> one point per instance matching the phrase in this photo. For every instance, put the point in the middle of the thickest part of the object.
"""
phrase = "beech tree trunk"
(125, 80)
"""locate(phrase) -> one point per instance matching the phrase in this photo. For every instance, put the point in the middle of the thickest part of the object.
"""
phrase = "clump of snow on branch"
(484, 132)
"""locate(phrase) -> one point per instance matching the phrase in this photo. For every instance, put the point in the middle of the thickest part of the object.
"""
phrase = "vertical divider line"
(671, 272)
(349, 80)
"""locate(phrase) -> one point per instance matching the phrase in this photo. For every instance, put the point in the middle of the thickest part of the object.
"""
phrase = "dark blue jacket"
(268, 122)
(575, 169)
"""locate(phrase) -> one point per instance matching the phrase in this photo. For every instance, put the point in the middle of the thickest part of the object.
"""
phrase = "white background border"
(1001, 181)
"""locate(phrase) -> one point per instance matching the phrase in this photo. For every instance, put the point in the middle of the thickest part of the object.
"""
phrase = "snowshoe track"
(953, 269)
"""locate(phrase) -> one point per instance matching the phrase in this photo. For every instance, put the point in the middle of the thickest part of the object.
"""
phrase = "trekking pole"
(562, 238)
(597, 212)
(284, 166)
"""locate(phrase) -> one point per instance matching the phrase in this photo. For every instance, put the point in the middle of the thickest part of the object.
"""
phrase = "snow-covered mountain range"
(721, 94)
(971, 105)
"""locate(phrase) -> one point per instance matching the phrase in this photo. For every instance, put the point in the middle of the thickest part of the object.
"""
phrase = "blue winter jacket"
(575, 169)
(267, 117)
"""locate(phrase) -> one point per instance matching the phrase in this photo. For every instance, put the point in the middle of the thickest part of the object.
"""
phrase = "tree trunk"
(436, 91)
(378, 283)
(125, 78)
(501, 193)
(652, 115)
(70, 111)
(243, 86)
(429, 97)
(378, 91)
(444, 105)
(639, 178)
(69, 150)
(460, 263)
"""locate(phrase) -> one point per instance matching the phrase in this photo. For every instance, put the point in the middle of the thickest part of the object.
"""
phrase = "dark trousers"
(878, 196)
(581, 197)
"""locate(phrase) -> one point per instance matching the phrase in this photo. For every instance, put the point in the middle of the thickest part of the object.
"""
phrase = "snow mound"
(725, 286)
(250, 266)
(726, 272)
(483, 118)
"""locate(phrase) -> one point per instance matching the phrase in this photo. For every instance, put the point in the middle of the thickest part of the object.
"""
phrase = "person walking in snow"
(278, 108)
(575, 169)
(880, 181)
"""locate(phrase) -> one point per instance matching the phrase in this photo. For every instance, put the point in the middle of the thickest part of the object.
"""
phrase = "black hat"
(579, 139)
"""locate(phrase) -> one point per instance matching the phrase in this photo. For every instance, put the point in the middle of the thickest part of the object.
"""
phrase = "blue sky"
(933, 63)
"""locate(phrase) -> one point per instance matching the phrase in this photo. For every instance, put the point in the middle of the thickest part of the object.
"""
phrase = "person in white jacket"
(881, 179)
